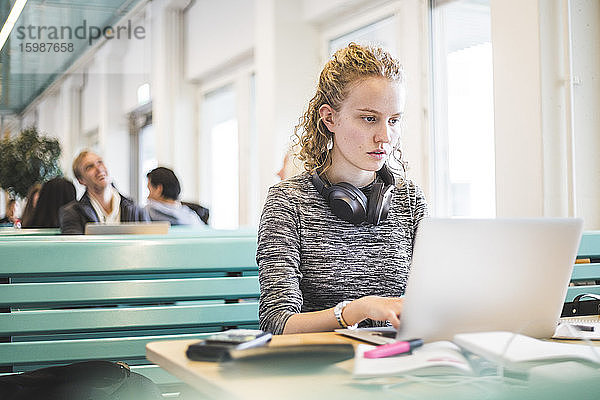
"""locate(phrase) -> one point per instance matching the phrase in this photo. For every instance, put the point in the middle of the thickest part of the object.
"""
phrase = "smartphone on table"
(217, 347)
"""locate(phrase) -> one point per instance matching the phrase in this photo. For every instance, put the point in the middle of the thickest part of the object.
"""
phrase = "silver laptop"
(124, 228)
(474, 275)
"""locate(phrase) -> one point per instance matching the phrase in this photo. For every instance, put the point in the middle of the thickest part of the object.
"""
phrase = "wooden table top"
(306, 377)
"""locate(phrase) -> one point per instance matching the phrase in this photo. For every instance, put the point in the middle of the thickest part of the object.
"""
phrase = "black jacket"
(74, 215)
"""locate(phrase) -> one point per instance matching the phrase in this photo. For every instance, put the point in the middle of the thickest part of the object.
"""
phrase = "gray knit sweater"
(309, 260)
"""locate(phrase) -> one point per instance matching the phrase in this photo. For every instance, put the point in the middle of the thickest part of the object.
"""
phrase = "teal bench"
(588, 272)
(174, 232)
(68, 299)
(7, 232)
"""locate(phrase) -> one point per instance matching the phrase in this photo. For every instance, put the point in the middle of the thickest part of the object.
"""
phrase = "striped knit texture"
(310, 260)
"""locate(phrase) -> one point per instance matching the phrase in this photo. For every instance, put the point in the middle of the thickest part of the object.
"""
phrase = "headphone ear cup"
(375, 204)
(379, 203)
(347, 202)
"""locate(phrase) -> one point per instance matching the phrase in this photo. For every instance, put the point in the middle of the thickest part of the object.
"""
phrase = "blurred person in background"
(32, 198)
(12, 213)
(163, 203)
(54, 194)
(101, 202)
(289, 167)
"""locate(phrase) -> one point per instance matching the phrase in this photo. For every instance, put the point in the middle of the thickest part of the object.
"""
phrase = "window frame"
(239, 79)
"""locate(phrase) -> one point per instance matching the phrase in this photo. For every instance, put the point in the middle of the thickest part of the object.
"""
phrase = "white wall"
(326, 12)
(47, 115)
(137, 63)
(217, 33)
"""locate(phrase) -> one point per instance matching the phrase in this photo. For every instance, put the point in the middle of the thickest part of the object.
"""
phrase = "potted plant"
(26, 159)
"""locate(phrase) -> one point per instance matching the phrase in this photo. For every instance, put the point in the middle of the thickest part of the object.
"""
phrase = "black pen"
(585, 328)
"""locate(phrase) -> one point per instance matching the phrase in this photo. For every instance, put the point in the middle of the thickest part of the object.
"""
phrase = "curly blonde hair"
(346, 67)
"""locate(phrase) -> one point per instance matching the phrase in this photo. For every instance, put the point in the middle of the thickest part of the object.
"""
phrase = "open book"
(436, 358)
(475, 354)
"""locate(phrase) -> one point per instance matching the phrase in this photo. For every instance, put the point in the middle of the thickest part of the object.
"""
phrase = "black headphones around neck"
(350, 204)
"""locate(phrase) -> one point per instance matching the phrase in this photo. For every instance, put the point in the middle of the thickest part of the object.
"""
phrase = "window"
(228, 149)
(463, 118)
(220, 138)
(143, 151)
(381, 33)
(147, 160)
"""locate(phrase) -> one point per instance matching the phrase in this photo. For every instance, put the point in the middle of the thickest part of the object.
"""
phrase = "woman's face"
(367, 126)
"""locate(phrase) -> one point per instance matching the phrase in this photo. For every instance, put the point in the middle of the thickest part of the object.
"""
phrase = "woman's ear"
(326, 113)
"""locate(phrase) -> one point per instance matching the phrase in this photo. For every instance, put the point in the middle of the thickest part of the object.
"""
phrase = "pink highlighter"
(392, 349)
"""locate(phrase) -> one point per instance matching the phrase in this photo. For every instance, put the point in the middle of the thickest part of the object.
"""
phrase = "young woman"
(335, 243)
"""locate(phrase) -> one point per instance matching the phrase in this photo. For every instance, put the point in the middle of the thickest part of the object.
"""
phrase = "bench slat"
(175, 232)
(123, 256)
(583, 272)
(574, 291)
(122, 292)
(114, 349)
(590, 244)
(119, 318)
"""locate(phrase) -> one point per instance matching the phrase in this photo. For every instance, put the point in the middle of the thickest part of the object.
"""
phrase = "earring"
(330, 143)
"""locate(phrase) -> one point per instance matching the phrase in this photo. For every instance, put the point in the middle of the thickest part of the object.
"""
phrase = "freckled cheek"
(352, 135)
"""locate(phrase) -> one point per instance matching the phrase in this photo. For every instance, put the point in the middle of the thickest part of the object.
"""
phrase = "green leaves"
(26, 159)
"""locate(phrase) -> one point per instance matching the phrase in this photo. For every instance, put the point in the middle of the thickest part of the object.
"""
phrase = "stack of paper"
(577, 328)
(520, 352)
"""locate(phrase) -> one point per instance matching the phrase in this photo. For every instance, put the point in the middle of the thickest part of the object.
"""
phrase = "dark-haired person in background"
(101, 202)
(54, 194)
(163, 203)
(32, 197)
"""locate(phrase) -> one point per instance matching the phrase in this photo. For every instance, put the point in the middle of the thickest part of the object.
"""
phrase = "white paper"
(509, 348)
(436, 358)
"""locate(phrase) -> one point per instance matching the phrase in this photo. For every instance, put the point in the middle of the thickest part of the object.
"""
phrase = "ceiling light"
(14, 15)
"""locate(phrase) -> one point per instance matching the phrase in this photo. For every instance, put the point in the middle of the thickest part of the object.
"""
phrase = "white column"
(586, 101)
(287, 68)
(173, 99)
(413, 44)
(517, 108)
(113, 129)
(70, 115)
(557, 131)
